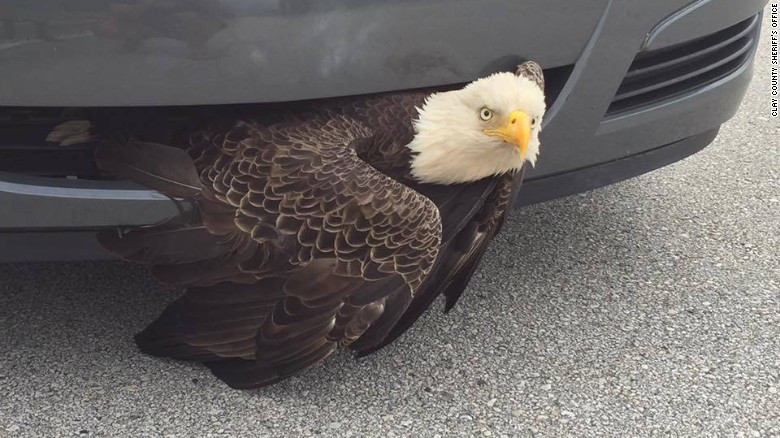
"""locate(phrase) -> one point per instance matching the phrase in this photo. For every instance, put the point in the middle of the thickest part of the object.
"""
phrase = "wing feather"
(471, 216)
(321, 247)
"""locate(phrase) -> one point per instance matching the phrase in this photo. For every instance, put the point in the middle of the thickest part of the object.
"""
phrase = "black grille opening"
(660, 74)
(23, 146)
(554, 80)
(25, 150)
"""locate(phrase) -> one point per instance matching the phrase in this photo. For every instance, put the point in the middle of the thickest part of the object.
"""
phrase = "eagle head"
(489, 127)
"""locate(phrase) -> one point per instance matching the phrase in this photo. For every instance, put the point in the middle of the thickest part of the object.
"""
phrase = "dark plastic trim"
(589, 178)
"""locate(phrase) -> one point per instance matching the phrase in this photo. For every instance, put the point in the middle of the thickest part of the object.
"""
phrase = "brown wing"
(470, 245)
(471, 218)
(321, 246)
(305, 189)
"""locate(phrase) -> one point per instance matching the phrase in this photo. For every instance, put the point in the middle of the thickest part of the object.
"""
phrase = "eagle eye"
(485, 113)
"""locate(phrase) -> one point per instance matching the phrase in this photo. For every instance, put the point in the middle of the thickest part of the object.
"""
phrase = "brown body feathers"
(310, 235)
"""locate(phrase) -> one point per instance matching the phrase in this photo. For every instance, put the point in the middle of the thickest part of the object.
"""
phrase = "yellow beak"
(517, 131)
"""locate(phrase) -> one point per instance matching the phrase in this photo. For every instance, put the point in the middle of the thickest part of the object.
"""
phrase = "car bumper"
(635, 99)
(49, 243)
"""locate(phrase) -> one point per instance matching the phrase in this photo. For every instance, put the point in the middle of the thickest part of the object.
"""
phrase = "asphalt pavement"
(651, 307)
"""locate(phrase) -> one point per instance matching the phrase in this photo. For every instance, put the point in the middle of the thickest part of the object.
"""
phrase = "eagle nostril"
(513, 121)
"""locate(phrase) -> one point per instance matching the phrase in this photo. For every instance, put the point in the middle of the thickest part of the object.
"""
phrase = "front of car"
(631, 85)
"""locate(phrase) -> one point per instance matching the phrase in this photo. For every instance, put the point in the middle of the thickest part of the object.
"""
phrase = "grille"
(660, 74)
(24, 149)
(23, 146)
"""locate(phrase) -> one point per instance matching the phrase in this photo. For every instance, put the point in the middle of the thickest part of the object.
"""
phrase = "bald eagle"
(334, 226)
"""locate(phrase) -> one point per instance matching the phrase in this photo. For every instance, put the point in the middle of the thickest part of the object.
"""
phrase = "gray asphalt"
(651, 307)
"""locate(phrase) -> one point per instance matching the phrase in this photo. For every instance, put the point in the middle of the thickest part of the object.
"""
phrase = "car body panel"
(199, 52)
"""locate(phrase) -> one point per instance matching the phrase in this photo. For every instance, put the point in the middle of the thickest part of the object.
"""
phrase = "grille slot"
(23, 131)
(660, 74)
(23, 148)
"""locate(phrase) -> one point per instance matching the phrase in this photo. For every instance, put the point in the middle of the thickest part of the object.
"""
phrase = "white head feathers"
(451, 145)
